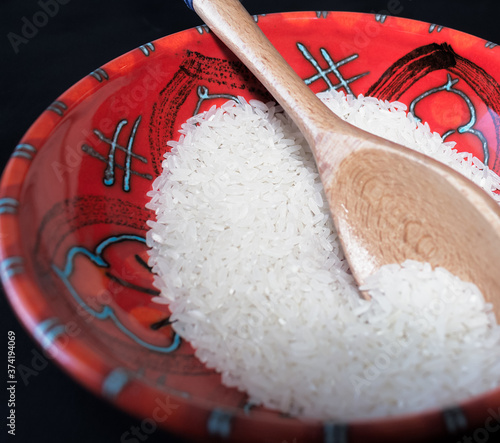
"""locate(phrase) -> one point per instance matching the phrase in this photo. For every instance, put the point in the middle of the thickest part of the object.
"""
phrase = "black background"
(80, 37)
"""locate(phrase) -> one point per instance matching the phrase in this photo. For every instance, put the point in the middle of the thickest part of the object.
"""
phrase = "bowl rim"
(29, 305)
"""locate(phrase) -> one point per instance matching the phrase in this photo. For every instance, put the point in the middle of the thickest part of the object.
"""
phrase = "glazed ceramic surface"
(73, 217)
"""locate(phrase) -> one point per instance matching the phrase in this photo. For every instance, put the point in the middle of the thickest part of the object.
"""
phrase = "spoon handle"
(229, 20)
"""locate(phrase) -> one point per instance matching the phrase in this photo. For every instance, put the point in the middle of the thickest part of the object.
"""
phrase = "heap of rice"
(248, 259)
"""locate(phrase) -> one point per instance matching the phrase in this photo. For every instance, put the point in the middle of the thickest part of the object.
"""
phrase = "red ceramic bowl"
(73, 221)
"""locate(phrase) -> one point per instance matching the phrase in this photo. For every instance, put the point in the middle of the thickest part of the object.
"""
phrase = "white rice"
(246, 255)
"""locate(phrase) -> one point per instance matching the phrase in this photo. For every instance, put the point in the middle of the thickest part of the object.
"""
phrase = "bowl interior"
(74, 192)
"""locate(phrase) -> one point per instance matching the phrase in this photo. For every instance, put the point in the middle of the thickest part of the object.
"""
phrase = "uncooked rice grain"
(245, 253)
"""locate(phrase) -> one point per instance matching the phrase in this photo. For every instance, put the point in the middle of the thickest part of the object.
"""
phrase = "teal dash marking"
(100, 75)
(115, 382)
(11, 266)
(335, 433)
(47, 331)
(8, 205)
(42, 327)
(58, 107)
(24, 150)
(147, 49)
(50, 337)
(455, 419)
(219, 423)
(248, 408)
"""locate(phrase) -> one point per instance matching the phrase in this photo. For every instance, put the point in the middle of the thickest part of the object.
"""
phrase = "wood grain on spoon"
(388, 203)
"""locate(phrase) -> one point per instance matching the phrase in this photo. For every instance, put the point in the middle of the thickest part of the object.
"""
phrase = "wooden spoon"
(388, 203)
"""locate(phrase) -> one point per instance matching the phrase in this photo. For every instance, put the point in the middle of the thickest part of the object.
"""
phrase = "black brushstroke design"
(196, 69)
(415, 65)
(141, 262)
(129, 285)
(162, 323)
